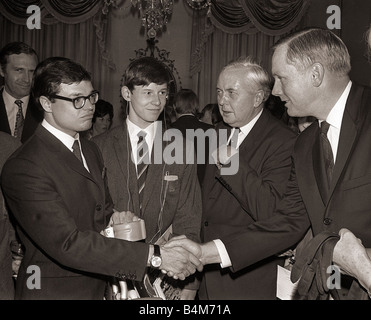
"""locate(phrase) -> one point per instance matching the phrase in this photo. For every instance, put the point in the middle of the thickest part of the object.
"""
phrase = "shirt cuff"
(224, 256)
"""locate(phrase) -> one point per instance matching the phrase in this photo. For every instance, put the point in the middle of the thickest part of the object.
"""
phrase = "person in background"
(102, 119)
(19, 115)
(55, 186)
(210, 114)
(186, 106)
(8, 145)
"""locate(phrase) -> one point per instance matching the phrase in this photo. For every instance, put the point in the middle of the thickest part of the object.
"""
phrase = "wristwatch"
(156, 258)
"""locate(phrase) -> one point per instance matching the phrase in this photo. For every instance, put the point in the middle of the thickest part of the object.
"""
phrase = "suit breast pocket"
(356, 183)
(172, 182)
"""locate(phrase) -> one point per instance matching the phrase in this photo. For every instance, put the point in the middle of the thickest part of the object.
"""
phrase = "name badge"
(170, 177)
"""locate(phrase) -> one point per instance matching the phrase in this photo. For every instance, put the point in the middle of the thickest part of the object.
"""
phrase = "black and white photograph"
(190, 156)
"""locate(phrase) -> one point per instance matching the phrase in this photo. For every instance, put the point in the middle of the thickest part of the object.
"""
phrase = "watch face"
(156, 261)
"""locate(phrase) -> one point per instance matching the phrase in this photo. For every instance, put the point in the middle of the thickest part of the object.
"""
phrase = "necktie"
(328, 158)
(19, 120)
(234, 139)
(76, 150)
(142, 165)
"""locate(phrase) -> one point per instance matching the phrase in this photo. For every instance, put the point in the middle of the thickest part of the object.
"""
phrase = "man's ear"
(45, 104)
(126, 93)
(259, 98)
(2, 72)
(317, 73)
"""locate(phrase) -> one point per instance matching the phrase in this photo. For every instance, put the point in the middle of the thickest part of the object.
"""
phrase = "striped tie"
(142, 165)
(19, 120)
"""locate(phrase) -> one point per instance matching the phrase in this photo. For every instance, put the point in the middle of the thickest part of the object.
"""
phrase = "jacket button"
(206, 223)
(327, 221)
(98, 207)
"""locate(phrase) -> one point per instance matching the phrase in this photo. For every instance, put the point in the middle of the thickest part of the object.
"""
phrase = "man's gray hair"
(255, 74)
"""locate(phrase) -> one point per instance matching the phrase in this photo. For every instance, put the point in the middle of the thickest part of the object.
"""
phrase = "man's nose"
(277, 90)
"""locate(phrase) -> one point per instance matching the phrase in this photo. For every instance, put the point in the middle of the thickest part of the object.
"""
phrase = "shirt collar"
(133, 130)
(9, 99)
(335, 116)
(65, 138)
(247, 127)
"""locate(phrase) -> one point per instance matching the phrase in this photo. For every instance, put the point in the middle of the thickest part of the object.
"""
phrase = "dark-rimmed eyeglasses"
(79, 102)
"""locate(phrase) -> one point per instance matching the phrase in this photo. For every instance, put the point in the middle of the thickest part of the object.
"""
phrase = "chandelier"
(154, 14)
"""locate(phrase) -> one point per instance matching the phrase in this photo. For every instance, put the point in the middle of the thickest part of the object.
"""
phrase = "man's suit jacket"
(348, 204)
(8, 145)
(32, 118)
(174, 184)
(61, 209)
(191, 122)
(266, 155)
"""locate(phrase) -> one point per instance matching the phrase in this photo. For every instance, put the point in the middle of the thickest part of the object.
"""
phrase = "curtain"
(233, 28)
(72, 29)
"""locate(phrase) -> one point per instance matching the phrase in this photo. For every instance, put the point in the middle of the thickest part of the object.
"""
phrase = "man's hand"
(206, 253)
(352, 258)
(122, 217)
(178, 262)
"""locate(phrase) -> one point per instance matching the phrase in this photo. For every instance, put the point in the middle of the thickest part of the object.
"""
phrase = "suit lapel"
(122, 147)
(93, 165)
(4, 123)
(348, 133)
(65, 155)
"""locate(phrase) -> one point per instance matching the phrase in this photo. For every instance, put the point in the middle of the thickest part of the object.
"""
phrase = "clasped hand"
(181, 257)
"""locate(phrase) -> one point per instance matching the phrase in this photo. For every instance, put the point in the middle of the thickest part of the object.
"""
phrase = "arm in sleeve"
(259, 192)
(271, 236)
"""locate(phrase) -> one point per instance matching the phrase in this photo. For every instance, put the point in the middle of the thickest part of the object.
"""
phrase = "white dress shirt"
(12, 109)
(334, 119)
(133, 131)
(65, 138)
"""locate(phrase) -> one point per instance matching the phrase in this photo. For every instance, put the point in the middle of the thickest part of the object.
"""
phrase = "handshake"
(181, 256)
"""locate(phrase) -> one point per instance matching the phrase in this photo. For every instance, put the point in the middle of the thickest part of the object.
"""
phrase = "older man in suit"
(55, 187)
(330, 181)
(264, 144)
(19, 115)
(169, 194)
(8, 145)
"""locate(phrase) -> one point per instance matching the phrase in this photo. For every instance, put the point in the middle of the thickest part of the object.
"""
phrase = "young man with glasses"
(55, 187)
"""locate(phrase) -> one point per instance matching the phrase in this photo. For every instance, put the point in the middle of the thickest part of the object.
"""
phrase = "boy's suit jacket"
(61, 209)
(233, 202)
(180, 195)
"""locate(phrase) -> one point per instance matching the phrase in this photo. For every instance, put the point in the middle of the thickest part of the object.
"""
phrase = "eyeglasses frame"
(55, 96)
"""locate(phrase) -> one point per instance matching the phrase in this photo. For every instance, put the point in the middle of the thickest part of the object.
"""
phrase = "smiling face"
(237, 97)
(145, 103)
(18, 74)
(293, 86)
(62, 114)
